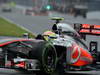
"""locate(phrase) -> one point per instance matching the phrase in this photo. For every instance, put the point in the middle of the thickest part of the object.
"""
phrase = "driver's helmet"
(49, 35)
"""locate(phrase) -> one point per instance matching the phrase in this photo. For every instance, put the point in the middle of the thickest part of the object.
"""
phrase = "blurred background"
(57, 5)
(36, 12)
(73, 7)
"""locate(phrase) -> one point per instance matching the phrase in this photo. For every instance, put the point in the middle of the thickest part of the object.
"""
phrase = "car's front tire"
(45, 52)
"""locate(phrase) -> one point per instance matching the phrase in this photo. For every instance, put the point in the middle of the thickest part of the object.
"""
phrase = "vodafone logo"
(75, 54)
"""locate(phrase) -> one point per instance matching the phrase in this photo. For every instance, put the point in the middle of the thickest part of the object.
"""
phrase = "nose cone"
(85, 58)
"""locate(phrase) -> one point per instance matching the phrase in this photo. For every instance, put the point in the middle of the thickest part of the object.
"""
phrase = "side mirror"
(77, 26)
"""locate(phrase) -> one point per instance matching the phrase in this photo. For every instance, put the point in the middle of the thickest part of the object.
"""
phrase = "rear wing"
(87, 29)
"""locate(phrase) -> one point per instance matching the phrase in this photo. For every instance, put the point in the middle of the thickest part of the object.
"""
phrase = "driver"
(49, 35)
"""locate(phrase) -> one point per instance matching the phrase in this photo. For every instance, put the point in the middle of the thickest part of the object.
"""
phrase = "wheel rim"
(49, 59)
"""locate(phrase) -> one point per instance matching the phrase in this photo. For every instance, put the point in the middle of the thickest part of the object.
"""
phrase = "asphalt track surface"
(22, 72)
(37, 25)
(4, 71)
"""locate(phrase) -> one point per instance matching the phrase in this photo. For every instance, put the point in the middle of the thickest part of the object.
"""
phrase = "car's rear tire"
(46, 53)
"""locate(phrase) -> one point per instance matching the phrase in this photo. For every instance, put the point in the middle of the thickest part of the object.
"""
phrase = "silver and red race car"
(60, 49)
(72, 51)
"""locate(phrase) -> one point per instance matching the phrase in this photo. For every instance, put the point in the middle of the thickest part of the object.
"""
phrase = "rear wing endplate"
(87, 29)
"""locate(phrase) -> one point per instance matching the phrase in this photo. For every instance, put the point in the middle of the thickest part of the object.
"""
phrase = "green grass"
(10, 29)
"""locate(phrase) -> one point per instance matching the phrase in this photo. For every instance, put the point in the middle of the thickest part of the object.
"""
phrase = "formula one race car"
(72, 52)
(28, 54)
(59, 50)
